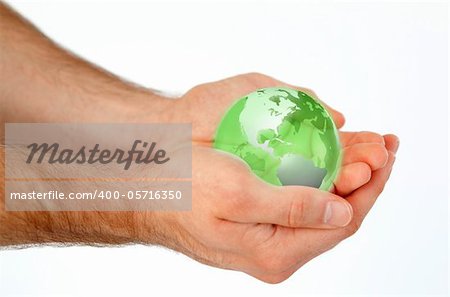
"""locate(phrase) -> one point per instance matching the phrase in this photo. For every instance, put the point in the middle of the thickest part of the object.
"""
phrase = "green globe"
(284, 135)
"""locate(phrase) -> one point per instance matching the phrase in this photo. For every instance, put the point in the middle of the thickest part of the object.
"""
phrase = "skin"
(237, 221)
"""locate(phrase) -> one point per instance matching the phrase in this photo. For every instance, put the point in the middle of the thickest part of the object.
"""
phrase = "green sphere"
(284, 135)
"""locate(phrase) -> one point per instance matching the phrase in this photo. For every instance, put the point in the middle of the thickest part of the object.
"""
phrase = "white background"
(383, 64)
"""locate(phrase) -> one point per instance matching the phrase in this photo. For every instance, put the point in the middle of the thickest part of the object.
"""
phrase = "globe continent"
(284, 135)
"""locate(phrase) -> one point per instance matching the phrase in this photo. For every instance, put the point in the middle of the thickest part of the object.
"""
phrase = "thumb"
(295, 206)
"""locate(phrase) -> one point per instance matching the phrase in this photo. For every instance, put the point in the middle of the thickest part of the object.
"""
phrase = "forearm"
(40, 82)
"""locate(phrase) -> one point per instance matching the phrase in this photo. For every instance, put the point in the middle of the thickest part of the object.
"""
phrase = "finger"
(364, 198)
(351, 177)
(392, 142)
(361, 200)
(374, 154)
(351, 138)
(292, 206)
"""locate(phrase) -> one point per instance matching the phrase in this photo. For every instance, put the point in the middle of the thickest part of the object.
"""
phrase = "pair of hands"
(237, 221)
(240, 222)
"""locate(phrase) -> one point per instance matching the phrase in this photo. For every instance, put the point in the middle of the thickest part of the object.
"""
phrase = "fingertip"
(339, 119)
(352, 177)
(374, 154)
(379, 157)
(392, 142)
(363, 170)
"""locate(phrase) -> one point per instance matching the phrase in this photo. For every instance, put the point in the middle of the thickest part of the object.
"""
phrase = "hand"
(240, 222)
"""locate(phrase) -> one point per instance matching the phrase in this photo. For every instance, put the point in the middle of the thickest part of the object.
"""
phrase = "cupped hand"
(205, 105)
(240, 222)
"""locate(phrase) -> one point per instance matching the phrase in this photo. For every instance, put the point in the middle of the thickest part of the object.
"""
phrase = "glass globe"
(284, 135)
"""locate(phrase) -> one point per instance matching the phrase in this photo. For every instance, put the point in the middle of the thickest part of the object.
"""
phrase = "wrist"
(160, 228)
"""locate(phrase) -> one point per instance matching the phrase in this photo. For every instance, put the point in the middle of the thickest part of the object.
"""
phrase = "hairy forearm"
(19, 228)
(41, 82)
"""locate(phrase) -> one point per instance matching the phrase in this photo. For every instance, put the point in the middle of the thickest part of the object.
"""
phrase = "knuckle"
(296, 213)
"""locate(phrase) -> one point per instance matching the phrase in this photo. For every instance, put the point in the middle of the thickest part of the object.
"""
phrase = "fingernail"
(337, 214)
